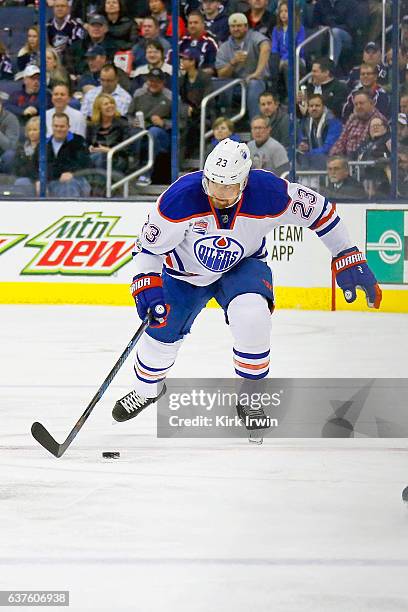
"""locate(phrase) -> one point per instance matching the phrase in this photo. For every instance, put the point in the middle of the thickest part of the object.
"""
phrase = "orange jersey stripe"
(249, 366)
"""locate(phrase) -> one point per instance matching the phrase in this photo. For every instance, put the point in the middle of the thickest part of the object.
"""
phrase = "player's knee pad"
(250, 322)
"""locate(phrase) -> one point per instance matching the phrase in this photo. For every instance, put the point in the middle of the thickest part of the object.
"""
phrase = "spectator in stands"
(67, 153)
(245, 55)
(372, 57)
(376, 147)
(320, 130)
(107, 129)
(195, 84)
(198, 39)
(158, 9)
(29, 54)
(62, 30)
(324, 83)
(121, 28)
(342, 185)
(96, 59)
(9, 135)
(56, 73)
(368, 82)
(270, 107)
(154, 59)
(110, 85)
(356, 129)
(266, 152)
(60, 104)
(260, 18)
(24, 103)
(222, 128)
(24, 164)
(6, 65)
(403, 129)
(342, 17)
(155, 104)
(75, 57)
(402, 172)
(376, 8)
(280, 49)
(215, 19)
(404, 103)
(150, 31)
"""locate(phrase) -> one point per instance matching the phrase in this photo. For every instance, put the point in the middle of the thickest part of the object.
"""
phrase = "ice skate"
(132, 404)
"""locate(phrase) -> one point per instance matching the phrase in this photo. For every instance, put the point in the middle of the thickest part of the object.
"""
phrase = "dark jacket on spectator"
(108, 137)
(25, 58)
(24, 162)
(343, 14)
(74, 56)
(72, 157)
(334, 95)
(20, 100)
(6, 68)
(380, 97)
(218, 27)
(265, 25)
(9, 131)
(375, 149)
(349, 188)
(123, 33)
(193, 93)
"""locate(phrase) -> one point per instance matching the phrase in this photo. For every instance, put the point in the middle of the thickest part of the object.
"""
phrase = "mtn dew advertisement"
(387, 245)
(68, 252)
(75, 252)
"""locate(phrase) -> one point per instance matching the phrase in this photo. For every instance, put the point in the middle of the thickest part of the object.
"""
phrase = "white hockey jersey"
(198, 243)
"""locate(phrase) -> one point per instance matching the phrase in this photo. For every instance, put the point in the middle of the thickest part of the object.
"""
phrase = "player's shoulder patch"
(266, 195)
(184, 199)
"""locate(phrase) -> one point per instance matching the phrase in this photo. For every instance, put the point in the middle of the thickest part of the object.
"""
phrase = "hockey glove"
(147, 290)
(352, 273)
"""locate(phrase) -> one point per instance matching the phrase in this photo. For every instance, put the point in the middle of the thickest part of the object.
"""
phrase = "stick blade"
(45, 439)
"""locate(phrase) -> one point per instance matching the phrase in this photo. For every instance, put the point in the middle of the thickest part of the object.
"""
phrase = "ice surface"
(196, 525)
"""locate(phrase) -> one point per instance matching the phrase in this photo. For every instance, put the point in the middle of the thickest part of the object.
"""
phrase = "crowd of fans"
(108, 73)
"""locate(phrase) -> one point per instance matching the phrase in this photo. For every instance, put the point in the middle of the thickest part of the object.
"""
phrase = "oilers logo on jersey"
(218, 253)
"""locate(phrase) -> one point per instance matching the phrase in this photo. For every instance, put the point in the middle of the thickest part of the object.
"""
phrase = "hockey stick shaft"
(41, 434)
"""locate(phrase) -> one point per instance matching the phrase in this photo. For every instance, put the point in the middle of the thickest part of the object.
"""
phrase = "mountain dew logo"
(78, 245)
(9, 240)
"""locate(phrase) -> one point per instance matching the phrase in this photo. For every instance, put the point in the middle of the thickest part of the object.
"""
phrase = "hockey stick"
(45, 438)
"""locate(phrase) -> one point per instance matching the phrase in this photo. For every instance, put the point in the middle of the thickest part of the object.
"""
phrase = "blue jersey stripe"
(251, 355)
(328, 228)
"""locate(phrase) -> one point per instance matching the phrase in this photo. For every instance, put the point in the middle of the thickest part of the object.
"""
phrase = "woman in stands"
(376, 148)
(56, 73)
(107, 129)
(280, 49)
(30, 53)
(25, 167)
(120, 27)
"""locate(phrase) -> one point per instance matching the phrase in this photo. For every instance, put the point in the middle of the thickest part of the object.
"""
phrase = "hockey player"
(205, 239)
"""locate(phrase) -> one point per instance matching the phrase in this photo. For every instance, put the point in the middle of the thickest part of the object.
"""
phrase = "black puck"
(111, 455)
(405, 495)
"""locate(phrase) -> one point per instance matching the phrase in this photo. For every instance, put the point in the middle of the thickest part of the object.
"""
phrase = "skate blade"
(255, 438)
